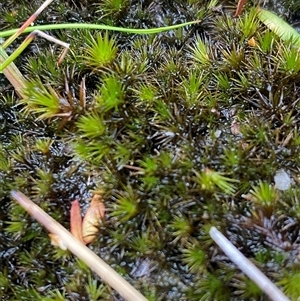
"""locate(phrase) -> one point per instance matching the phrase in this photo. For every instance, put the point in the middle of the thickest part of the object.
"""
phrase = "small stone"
(235, 128)
(282, 180)
(218, 133)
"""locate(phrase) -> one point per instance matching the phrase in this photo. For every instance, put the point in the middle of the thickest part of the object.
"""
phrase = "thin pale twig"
(109, 275)
(266, 285)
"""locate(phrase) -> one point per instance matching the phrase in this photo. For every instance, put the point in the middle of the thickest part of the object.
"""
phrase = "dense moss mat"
(178, 131)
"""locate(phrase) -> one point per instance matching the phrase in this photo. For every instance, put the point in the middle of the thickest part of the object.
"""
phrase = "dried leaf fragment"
(76, 221)
(252, 42)
(92, 219)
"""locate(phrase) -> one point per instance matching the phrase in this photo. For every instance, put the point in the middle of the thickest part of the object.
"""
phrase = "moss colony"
(179, 131)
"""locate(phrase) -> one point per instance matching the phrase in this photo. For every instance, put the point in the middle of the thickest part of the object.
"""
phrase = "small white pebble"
(218, 133)
(282, 180)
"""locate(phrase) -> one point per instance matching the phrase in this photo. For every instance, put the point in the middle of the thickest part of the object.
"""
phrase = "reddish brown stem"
(26, 24)
(239, 8)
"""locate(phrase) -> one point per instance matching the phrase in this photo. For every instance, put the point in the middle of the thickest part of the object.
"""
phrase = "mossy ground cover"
(179, 131)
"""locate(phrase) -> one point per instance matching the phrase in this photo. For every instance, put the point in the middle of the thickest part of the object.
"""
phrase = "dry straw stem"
(13, 74)
(108, 275)
(266, 285)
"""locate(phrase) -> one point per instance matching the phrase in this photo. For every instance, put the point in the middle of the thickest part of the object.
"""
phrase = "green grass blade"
(15, 54)
(286, 32)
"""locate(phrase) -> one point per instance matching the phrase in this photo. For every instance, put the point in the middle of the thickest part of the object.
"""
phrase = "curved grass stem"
(10, 32)
(13, 74)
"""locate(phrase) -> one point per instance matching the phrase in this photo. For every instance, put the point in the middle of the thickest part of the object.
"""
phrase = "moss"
(181, 131)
